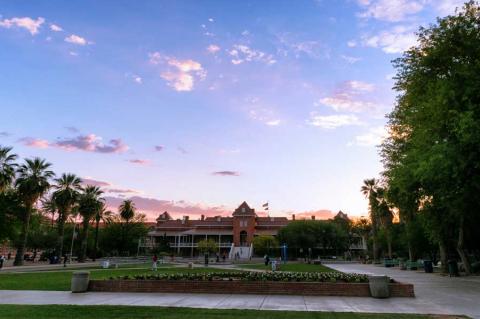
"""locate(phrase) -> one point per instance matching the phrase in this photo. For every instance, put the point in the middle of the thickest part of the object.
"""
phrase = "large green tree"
(33, 182)
(435, 127)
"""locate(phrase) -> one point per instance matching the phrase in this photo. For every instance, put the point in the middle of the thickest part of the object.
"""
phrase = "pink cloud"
(226, 173)
(139, 161)
(319, 214)
(152, 207)
(87, 143)
(34, 142)
(94, 182)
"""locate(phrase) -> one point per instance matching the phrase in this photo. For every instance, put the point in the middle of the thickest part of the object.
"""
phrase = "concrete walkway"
(435, 295)
(445, 295)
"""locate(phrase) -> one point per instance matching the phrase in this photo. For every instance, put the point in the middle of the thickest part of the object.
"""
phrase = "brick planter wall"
(247, 287)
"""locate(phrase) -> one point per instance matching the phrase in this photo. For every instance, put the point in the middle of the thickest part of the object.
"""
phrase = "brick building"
(233, 235)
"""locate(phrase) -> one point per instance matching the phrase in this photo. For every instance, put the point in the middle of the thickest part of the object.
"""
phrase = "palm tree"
(32, 183)
(369, 189)
(49, 207)
(127, 212)
(385, 217)
(89, 205)
(67, 191)
(105, 216)
(7, 167)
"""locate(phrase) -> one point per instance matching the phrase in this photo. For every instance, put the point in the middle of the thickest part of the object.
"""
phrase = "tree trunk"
(23, 237)
(83, 247)
(95, 246)
(61, 232)
(389, 244)
(443, 255)
(460, 249)
(410, 251)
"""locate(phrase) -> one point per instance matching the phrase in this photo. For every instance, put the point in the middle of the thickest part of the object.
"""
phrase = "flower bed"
(254, 276)
(278, 283)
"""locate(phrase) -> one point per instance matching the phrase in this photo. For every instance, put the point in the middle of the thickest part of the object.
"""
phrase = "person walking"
(2, 259)
(154, 265)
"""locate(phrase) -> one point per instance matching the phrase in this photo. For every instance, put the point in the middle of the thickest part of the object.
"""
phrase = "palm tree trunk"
(95, 246)
(460, 247)
(61, 232)
(83, 249)
(23, 237)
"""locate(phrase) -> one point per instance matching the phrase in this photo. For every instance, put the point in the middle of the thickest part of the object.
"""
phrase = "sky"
(195, 106)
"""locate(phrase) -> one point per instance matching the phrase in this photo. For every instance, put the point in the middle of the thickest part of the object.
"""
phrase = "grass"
(121, 312)
(60, 280)
(298, 267)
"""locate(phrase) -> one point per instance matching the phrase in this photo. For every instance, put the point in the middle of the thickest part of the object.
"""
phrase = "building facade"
(234, 235)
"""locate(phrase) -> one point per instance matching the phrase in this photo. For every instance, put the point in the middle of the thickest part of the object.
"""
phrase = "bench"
(387, 262)
(414, 265)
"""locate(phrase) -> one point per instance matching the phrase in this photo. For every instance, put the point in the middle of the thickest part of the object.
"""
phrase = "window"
(243, 223)
(243, 209)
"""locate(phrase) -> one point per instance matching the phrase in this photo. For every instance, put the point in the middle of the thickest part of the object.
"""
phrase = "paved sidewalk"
(218, 301)
(451, 295)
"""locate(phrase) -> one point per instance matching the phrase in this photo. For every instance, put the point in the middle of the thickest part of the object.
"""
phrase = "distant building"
(234, 235)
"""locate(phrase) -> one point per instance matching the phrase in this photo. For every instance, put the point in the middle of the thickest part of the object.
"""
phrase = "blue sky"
(195, 106)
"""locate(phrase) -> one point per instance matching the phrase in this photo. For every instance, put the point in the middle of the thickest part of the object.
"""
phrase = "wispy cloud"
(213, 48)
(373, 137)
(34, 142)
(72, 129)
(159, 148)
(289, 44)
(182, 150)
(226, 173)
(32, 25)
(241, 53)
(139, 161)
(446, 7)
(180, 74)
(350, 96)
(76, 39)
(330, 122)
(5, 134)
(350, 59)
(55, 28)
(395, 40)
(390, 10)
(87, 143)
(94, 182)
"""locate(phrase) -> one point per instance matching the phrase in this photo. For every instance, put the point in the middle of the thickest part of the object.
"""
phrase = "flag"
(265, 206)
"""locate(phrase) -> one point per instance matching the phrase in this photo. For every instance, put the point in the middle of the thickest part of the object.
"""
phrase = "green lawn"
(120, 312)
(290, 267)
(60, 280)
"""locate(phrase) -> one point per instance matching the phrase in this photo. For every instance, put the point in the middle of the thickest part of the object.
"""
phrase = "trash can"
(428, 266)
(452, 268)
(379, 286)
(80, 281)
